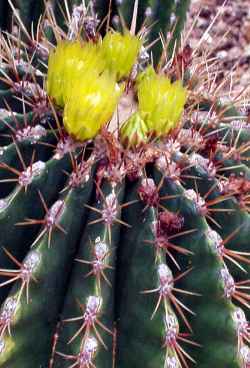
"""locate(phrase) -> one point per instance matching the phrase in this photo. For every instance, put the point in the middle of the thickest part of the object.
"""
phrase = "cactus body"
(127, 247)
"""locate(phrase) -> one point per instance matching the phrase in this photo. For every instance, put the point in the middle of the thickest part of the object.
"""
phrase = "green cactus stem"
(125, 211)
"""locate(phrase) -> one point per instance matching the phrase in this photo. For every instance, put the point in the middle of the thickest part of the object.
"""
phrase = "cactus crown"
(81, 78)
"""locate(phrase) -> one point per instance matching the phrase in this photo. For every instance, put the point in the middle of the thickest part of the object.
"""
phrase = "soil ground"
(229, 35)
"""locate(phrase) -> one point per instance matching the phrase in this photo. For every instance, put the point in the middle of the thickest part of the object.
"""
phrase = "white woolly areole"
(148, 182)
(33, 133)
(101, 249)
(171, 329)
(8, 309)
(216, 241)
(204, 163)
(3, 204)
(93, 304)
(171, 362)
(165, 278)
(195, 197)
(110, 209)
(55, 213)
(64, 146)
(245, 355)
(228, 282)
(30, 263)
(86, 355)
(2, 345)
(26, 177)
(241, 322)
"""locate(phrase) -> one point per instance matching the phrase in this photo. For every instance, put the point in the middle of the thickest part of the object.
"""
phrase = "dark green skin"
(240, 164)
(140, 339)
(236, 219)
(27, 148)
(5, 18)
(242, 135)
(80, 287)
(30, 12)
(46, 296)
(17, 73)
(229, 135)
(180, 13)
(17, 239)
(226, 110)
(235, 167)
(17, 122)
(161, 13)
(213, 312)
(6, 95)
(161, 20)
(126, 10)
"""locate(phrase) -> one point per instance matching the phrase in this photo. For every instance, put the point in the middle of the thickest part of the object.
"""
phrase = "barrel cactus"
(124, 205)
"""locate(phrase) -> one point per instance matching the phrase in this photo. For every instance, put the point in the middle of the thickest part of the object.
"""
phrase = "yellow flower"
(120, 52)
(134, 131)
(161, 102)
(91, 103)
(149, 72)
(68, 63)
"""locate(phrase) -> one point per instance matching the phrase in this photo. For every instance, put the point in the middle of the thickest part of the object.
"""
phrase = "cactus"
(124, 207)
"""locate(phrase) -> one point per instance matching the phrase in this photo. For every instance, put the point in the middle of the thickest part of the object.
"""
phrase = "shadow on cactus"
(124, 203)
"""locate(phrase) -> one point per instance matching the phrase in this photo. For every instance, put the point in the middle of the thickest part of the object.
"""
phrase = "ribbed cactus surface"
(124, 242)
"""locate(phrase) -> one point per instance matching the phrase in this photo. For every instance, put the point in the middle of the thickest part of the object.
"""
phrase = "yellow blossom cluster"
(160, 106)
(161, 102)
(120, 52)
(83, 79)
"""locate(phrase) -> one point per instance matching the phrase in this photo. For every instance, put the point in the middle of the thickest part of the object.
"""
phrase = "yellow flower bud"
(90, 104)
(161, 102)
(120, 52)
(149, 72)
(134, 131)
(67, 63)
